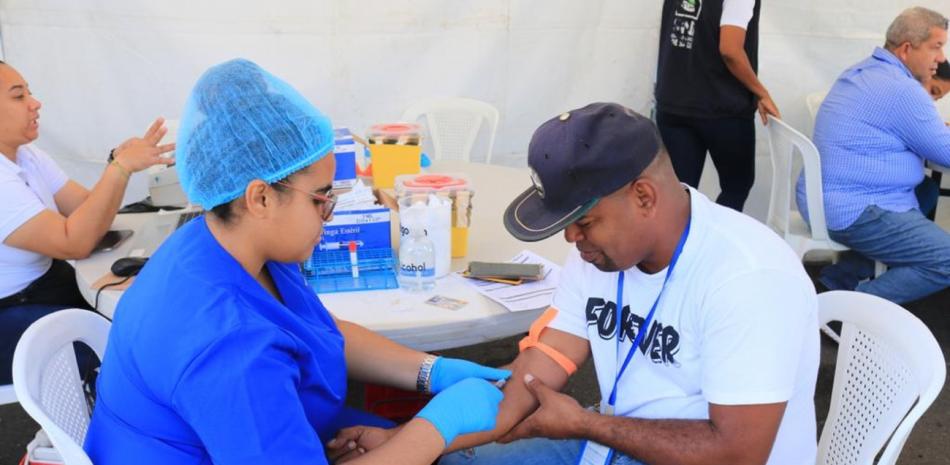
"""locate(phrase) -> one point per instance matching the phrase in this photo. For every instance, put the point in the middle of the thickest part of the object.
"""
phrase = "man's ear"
(643, 194)
(257, 197)
(902, 50)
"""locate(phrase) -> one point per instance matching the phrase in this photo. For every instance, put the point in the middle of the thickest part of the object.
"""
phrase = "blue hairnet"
(242, 123)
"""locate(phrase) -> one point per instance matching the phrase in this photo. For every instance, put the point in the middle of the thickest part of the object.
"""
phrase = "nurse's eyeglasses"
(326, 201)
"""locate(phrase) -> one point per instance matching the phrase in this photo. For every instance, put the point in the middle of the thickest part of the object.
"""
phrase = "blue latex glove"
(468, 406)
(448, 371)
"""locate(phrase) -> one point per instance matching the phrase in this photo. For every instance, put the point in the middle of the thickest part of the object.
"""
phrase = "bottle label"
(412, 269)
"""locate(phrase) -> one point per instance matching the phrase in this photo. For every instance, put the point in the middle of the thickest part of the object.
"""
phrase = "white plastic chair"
(454, 124)
(889, 370)
(784, 142)
(46, 377)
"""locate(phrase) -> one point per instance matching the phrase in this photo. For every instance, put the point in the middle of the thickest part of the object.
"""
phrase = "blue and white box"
(344, 149)
(370, 229)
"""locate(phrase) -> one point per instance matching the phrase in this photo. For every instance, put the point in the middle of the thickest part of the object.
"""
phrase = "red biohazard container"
(393, 404)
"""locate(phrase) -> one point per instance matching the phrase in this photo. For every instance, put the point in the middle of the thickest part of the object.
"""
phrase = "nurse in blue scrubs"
(220, 352)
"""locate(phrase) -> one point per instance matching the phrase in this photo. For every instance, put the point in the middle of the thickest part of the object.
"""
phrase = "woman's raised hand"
(139, 153)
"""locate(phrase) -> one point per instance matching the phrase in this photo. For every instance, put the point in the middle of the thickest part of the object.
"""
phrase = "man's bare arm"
(734, 434)
(732, 50)
(518, 402)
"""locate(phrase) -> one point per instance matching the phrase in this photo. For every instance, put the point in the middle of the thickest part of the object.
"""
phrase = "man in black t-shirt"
(707, 91)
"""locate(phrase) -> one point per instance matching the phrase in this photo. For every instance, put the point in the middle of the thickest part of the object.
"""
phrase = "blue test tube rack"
(329, 271)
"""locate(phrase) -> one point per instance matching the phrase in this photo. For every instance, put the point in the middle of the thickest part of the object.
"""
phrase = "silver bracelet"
(424, 378)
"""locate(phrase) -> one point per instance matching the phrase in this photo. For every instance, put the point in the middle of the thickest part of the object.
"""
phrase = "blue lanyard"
(612, 400)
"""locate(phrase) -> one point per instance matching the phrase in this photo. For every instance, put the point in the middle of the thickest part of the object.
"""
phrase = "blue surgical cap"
(242, 123)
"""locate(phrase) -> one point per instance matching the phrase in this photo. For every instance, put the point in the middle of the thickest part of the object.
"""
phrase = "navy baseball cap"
(575, 159)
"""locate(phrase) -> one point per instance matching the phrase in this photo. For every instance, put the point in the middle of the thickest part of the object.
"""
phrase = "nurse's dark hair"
(943, 71)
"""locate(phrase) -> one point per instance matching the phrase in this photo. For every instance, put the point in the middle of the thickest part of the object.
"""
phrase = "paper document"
(527, 296)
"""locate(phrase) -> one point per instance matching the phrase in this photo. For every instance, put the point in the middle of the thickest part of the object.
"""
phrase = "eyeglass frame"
(327, 201)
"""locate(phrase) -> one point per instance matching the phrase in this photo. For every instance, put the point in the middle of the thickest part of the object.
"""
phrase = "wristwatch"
(111, 155)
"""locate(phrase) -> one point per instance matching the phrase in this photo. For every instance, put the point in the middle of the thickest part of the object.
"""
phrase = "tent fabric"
(104, 69)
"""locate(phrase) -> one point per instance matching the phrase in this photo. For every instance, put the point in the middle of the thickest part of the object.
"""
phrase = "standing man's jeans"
(536, 451)
(915, 249)
(730, 143)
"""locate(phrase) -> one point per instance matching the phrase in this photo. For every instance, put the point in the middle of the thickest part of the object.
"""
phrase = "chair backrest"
(454, 124)
(7, 395)
(813, 102)
(47, 381)
(889, 370)
(784, 143)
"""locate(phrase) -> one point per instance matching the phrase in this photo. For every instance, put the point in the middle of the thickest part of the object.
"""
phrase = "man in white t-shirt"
(725, 369)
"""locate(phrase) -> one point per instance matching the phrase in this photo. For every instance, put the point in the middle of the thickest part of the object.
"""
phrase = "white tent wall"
(104, 69)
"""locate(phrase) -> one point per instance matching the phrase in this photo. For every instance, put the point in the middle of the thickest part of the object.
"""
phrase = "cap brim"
(530, 220)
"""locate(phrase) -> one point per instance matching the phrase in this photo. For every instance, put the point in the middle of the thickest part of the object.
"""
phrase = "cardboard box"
(370, 228)
(330, 267)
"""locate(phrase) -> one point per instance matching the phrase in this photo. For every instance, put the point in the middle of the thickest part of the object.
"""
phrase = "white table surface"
(397, 314)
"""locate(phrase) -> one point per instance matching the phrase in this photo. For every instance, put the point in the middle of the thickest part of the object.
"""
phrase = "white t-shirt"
(737, 324)
(737, 13)
(27, 188)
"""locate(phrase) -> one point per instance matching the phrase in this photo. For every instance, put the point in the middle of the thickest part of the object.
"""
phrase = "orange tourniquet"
(533, 339)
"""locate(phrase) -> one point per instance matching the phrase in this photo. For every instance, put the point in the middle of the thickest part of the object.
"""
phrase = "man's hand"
(558, 417)
(767, 107)
(354, 441)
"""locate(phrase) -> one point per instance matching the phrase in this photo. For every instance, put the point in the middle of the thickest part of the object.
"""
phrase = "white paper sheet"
(531, 295)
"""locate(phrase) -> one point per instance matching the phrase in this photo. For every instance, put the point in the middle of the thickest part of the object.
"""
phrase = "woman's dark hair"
(943, 71)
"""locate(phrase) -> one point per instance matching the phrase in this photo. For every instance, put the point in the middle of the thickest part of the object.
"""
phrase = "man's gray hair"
(913, 25)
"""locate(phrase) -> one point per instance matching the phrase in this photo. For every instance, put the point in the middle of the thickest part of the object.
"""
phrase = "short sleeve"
(239, 396)
(737, 13)
(54, 176)
(569, 298)
(754, 335)
(20, 204)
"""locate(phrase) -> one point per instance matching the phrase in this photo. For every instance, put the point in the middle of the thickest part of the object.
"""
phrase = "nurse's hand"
(448, 371)
(354, 441)
(469, 406)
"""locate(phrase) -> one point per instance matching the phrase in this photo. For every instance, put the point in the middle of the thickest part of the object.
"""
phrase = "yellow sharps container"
(396, 150)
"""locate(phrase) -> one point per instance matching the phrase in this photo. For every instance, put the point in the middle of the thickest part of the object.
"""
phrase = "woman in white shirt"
(45, 218)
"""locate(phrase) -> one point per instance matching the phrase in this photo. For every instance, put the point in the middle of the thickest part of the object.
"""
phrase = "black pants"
(730, 143)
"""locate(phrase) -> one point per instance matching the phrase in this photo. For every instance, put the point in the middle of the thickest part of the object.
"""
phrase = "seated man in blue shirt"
(874, 131)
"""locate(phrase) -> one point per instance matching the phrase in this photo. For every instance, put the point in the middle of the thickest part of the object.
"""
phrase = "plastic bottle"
(416, 260)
